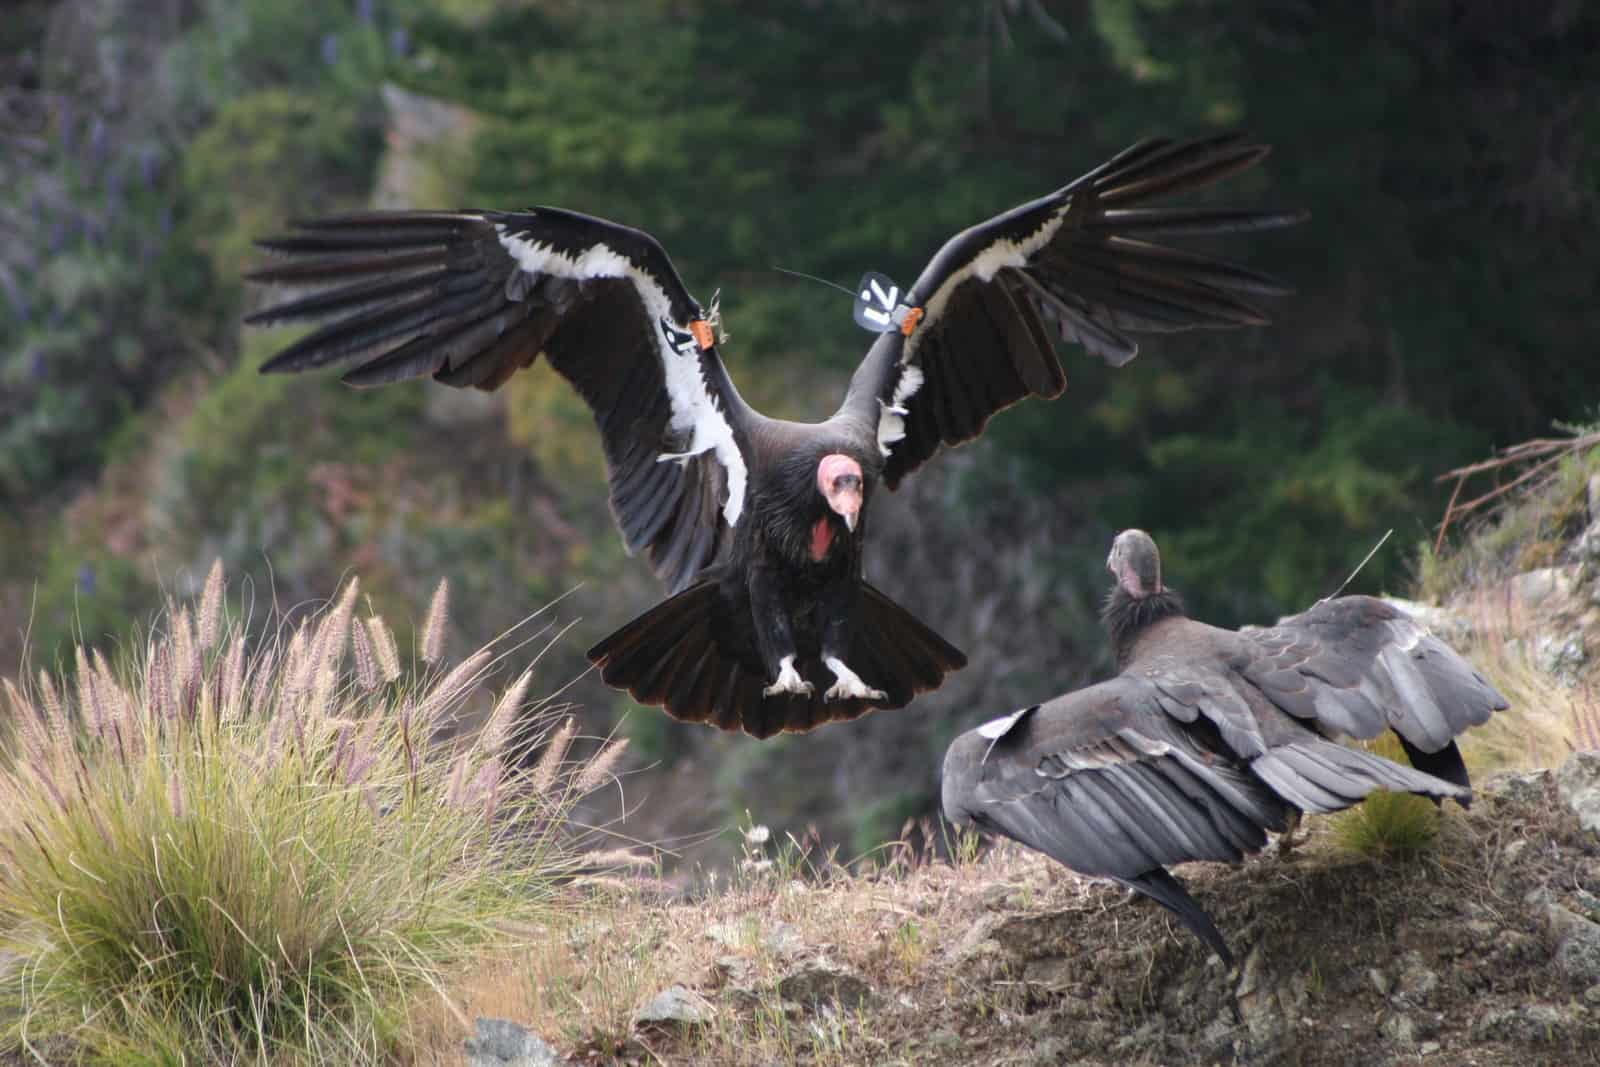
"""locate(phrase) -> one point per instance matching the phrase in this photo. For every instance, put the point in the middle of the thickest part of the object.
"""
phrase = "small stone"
(1578, 784)
(1416, 980)
(1379, 980)
(1587, 547)
(1592, 994)
(1542, 589)
(1577, 944)
(1561, 656)
(1530, 1024)
(676, 1007)
(503, 1043)
(1053, 972)
(775, 935)
(1428, 1048)
(1518, 788)
(1399, 1029)
(821, 980)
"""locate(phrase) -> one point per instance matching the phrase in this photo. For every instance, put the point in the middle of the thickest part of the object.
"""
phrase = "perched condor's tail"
(694, 655)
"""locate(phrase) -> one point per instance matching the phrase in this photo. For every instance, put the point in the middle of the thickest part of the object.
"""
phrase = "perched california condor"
(756, 525)
(1208, 738)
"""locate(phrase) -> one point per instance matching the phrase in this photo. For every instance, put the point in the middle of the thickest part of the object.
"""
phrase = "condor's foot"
(849, 685)
(789, 681)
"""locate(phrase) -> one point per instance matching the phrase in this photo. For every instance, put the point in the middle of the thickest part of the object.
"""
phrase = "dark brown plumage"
(756, 525)
(1208, 738)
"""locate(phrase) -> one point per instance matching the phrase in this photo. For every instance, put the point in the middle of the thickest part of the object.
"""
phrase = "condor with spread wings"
(1208, 738)
(756, 525)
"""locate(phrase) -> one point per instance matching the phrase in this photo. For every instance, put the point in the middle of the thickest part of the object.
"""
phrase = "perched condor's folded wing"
(1358, 666)
(470, 297)
(1081, 259)
(1104, 781)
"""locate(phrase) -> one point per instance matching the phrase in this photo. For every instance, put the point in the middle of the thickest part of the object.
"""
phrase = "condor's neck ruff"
(1126, 616)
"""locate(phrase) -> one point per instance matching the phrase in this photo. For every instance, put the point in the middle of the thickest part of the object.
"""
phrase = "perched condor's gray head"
(1136, 564)
(840, 483)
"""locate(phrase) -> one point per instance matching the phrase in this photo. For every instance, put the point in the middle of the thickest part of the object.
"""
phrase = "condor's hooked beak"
(840, 482)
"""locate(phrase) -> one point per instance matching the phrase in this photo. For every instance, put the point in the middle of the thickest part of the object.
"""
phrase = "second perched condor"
(1208, 738)
(757, 525)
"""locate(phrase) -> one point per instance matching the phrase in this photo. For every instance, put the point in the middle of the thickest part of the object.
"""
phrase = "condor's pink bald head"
(840, 483)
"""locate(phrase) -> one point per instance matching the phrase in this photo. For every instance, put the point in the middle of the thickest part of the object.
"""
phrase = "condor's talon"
(789, 681)
(849, 685)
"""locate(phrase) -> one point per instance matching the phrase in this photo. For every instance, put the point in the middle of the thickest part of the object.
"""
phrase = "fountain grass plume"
(215, 852)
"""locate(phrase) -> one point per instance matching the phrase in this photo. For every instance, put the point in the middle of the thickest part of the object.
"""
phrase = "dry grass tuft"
(213, 853)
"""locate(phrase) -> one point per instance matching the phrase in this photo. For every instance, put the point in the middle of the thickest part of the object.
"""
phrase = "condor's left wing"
(973, 335)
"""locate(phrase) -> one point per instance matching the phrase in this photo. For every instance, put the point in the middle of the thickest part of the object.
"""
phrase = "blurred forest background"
(1449, 153)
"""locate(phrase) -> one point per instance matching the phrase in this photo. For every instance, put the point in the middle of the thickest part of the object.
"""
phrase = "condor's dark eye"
(846, 482)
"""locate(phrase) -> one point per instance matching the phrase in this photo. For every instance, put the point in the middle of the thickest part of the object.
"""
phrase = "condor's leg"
(774, 633)
(836, 619)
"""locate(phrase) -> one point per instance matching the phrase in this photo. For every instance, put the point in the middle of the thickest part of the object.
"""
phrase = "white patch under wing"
(694, 407)
(892, 416)
(995, 257)
(995, 729)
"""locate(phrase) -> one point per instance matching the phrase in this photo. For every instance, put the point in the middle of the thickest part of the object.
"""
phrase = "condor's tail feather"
(689, 656)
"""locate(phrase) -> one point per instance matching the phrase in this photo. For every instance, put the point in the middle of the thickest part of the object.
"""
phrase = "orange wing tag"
(704, 336)
(908, 322)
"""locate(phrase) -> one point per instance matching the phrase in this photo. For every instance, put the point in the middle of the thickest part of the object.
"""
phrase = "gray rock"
(503, 1043)
(1428, 1048)
(1560, 655)
(776, 936)
(1518, 787)
(1578, 784)
(675, 1008)
(1546, 589)
(1030, 937)
(1052, 972)
(820, 980)
(1417, 982)
(1531, 1024)
(1577, 943)
(1399, 1029)
(1587, 546)
(1379, 980)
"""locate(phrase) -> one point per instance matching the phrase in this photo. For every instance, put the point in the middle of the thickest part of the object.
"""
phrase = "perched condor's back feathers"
(713, 491)
(1209, 738)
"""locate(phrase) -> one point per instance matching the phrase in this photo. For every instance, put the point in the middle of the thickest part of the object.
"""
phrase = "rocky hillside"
(1484, 951)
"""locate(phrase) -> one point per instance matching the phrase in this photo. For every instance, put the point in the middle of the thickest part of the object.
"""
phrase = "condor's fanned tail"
(689, 656)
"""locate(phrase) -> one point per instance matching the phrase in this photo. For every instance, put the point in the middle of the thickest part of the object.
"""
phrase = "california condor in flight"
(1208, 737)
(757, 525)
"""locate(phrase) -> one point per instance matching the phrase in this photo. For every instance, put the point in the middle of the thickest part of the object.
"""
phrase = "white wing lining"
(695, 411)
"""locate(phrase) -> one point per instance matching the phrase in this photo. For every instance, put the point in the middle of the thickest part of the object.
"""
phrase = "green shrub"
(214, 853)
(1387, 826)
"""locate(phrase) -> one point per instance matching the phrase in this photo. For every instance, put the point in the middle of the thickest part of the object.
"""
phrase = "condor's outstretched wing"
(1104, 781)
(1080, 264)
(470, 297)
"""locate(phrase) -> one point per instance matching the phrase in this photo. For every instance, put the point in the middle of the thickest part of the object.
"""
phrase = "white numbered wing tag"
(877, 299)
